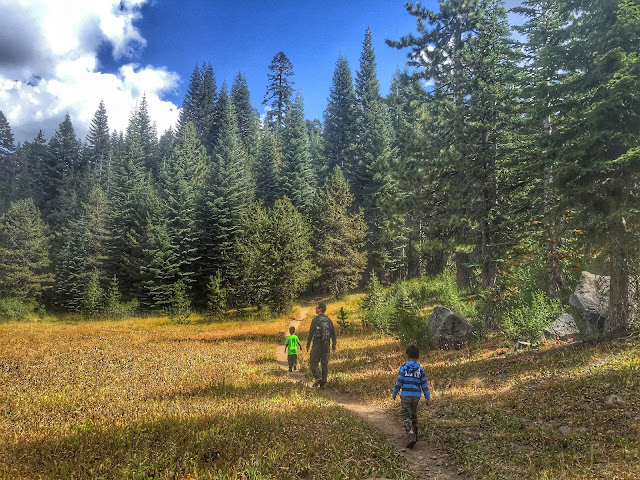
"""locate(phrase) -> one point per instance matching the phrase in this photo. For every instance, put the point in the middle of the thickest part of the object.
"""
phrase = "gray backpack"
(323, 330)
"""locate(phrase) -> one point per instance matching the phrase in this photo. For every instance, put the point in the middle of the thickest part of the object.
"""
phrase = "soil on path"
(424, 460)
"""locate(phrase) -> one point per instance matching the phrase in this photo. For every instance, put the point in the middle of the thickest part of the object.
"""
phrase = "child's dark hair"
(291, 330)
(322, 307)
(413, 351)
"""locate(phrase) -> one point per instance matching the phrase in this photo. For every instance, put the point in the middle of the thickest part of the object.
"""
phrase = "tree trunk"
(618, 319)
(463, 272)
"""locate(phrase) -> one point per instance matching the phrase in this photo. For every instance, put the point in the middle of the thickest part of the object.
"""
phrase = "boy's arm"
(399, 382)
(425, 387)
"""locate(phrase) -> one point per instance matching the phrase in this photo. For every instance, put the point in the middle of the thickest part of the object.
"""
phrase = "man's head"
(292, 330)
(321, 308)
(413, 352)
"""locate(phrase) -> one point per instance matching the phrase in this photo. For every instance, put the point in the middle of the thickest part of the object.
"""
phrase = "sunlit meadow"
(558, 412)
(147, 399)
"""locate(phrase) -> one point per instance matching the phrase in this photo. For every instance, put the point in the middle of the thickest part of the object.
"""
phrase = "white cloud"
(49, 65)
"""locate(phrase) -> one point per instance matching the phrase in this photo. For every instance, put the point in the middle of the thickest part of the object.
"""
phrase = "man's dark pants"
(319, 354)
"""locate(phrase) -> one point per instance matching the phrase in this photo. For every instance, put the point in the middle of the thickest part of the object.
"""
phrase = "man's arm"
(333, 334)
(312, 331)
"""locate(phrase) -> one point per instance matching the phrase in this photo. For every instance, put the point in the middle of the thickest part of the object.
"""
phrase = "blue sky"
(244, 37)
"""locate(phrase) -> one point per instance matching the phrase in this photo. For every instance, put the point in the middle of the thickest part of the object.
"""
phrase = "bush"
(180, 309)
(528, 322)
(408, 325)
(12, 308)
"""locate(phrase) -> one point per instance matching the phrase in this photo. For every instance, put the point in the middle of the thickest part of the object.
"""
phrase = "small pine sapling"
(342, 320)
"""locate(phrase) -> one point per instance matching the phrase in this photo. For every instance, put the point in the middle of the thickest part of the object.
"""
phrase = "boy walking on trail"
(323, 333)
(412, 382)
(291, 345)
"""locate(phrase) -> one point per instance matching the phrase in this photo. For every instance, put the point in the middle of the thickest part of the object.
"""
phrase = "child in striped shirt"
(412, 382)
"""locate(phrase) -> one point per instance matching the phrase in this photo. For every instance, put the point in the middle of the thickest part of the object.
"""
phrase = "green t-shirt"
(292, 344)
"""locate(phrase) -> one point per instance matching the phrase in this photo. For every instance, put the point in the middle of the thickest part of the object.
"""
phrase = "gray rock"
(564, 430)
(563, 328)
(613, 399)
(449, 329)
(591, 299)
(521, 345)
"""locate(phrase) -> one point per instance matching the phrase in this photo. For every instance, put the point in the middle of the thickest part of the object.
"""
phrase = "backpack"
(323, 330)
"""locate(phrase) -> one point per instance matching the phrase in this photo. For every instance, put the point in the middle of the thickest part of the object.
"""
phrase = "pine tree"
(189, 110)
(206, 111)
(31, 160)
(267, 173)
(199, 105)
(464, 50)
(598, 168)
(141, 127)
(159, 266)
(315, 134)
(216, 295)
(72, 272)
(340, 119)
(296, 172)
(247, 116)
(276, 255)
(63, 158)
(339, 236)
(184, 177)
(8, 170)
(24, 252)
(99, 144)
(542, 90)
(367, 85)
(127, 219)
(279, 91)
(227, 195)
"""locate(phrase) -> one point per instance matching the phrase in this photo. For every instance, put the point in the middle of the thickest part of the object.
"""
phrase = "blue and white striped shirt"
(411, 380)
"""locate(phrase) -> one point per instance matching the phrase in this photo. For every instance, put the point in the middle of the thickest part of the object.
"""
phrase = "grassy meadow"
(563, 411)
(144, 398)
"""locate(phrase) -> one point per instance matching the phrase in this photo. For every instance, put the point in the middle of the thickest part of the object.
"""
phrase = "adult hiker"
(323, 333)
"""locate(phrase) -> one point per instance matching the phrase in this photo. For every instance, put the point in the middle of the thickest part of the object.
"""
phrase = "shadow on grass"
(252, 439)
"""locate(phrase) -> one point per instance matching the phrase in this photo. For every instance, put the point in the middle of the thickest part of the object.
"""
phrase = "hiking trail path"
(424, 460)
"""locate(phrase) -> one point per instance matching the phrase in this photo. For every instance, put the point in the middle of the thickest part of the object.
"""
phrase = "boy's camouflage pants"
(409, 407)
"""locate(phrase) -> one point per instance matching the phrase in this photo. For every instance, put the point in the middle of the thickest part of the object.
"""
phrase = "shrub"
(180, 306)
(13, 308)
(93, 300)
(528, 322)
(216, 296)
(408, 325)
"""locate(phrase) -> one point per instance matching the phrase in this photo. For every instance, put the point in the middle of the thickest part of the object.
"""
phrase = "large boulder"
(591, 299)
(563, 328)
(448, 328)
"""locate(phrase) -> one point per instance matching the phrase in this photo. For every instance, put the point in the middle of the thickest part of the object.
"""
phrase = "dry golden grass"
(143, 398)
(539, 414)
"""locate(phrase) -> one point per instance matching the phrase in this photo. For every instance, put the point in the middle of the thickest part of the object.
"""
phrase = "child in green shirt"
(291, 347)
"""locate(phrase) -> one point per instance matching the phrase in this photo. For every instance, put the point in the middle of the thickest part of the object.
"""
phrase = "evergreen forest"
(506, 157)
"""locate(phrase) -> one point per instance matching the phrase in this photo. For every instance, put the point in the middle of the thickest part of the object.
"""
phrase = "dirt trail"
(425, 461)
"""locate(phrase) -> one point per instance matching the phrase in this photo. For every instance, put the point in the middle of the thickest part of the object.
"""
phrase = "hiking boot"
(411, 438)
(317, 383)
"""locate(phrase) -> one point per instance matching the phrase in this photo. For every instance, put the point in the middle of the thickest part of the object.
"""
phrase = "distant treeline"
(513, 162)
